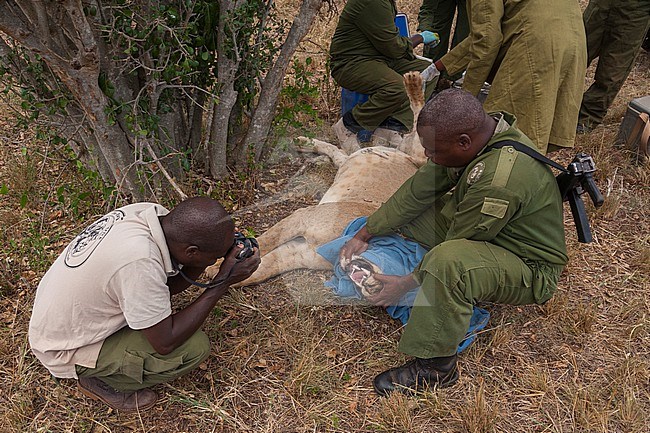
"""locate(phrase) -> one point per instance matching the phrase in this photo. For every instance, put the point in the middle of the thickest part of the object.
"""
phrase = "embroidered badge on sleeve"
(475, 173)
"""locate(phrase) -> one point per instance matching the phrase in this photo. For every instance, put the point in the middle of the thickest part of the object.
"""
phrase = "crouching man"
(103, 313)
(492, 219)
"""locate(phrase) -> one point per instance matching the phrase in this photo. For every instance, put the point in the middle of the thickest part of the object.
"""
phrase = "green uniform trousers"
(615, 31)
(127, 361)
(455, 275)
(383, 81)
(438, 16)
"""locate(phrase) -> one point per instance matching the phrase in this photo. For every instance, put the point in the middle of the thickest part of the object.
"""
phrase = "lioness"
(364, 180)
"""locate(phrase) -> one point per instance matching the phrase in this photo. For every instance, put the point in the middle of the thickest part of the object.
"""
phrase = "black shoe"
(416, 374)
(351, 123)
(394, 125)
(646, 42)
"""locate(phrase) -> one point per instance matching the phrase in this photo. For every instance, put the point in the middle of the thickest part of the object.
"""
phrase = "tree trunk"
(265, 111)
(227, 96)
(73, 58)
(136, 78)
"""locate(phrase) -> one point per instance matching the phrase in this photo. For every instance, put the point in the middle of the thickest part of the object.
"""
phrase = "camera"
(248, 243)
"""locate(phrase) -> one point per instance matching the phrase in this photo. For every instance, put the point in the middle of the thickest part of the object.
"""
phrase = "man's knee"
(197, 347)
(393, 91)
(443, 270)
(447, 257)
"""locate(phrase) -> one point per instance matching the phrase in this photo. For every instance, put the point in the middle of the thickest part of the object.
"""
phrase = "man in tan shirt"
(102, 312)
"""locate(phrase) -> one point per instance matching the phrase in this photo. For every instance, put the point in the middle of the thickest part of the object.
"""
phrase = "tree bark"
(99, 55)
(265, 110)
(70, 51)
(227, 95)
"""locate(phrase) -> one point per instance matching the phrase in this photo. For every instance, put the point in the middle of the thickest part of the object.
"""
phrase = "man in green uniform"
(533, 52)
(493, 220)
(369, 56)
(438, 16)
(615, 31)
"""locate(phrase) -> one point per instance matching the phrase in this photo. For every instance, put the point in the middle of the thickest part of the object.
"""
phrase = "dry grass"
(287, 357)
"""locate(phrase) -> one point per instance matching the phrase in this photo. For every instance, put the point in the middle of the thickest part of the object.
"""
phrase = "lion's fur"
(365, 179)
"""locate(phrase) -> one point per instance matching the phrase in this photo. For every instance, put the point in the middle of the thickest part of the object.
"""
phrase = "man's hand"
(429, 73)
(355, 246)
(395, 286)
(430, 38)
(233, 270)
(426, 37)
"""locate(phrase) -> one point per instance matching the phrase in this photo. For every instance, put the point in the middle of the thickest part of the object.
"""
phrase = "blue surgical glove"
(430, 38)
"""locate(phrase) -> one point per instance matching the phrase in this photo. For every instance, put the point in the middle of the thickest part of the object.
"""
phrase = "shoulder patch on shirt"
(494, 207)
(475, 173)
(507, 158)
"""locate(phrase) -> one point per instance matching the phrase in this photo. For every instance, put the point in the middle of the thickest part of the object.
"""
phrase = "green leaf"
(4, 189)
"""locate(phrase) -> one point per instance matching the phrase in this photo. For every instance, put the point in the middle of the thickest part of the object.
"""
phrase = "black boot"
(351, 123)
(416, 374)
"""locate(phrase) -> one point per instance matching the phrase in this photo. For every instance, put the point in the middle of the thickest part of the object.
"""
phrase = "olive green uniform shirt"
(366, 30)
(533, 52)
(504, 197)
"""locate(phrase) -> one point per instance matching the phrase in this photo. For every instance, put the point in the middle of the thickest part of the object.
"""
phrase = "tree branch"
(265, 110)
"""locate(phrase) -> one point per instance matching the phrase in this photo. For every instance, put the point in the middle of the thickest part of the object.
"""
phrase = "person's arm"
(170, 333)
(377, 22)
(417, 39)
(416, 195)
(477, 53)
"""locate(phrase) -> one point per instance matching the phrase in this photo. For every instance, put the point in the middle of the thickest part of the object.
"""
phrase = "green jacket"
(533, 52)
(503, 196)
(366, 30)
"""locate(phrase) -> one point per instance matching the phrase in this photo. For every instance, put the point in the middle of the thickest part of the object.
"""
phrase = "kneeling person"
(492, 219)
(103, 314)
(369, 56)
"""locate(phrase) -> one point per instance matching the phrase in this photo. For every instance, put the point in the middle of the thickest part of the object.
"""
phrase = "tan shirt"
(112, 275)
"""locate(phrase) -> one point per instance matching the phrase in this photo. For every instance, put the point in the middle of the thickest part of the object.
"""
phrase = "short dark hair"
(200, 221)
(452, 112)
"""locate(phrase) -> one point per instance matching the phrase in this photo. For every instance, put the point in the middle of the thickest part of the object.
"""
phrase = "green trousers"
(383, 81)
(127, 361)
(457, 274)
(438, 16)
(615, 31)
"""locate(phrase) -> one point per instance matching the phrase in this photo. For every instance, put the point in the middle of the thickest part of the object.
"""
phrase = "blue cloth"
(394, 255)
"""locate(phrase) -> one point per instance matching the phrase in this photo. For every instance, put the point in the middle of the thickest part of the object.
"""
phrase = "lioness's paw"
(414, 89)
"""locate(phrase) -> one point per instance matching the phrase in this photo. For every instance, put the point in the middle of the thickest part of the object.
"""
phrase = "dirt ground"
(289, 357)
